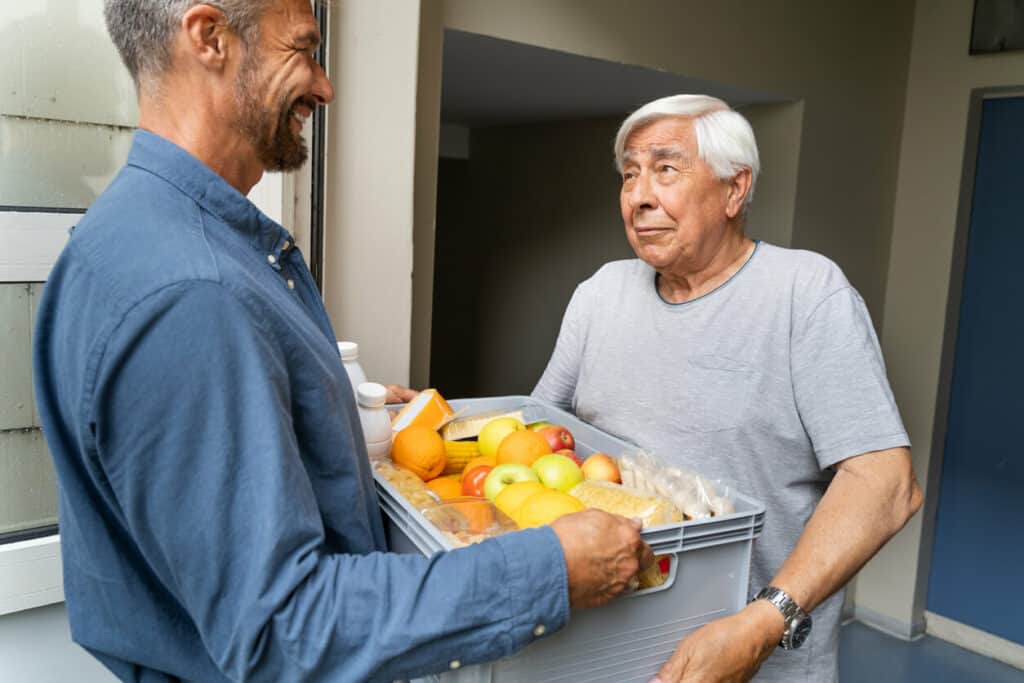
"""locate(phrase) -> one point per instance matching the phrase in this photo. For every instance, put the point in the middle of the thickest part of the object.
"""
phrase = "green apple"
(537, 426)
(503, 475)
(494, 432)
(557, 471)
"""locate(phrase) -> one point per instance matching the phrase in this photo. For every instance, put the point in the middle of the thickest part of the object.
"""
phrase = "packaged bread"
(408, 484)
(651, 508)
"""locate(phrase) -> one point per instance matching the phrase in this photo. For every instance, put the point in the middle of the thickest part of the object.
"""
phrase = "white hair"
(725, 140)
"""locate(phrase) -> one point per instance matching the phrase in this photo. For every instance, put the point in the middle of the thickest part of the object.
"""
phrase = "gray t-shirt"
(763, 383)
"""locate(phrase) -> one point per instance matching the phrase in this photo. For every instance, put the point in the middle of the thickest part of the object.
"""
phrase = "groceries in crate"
(622, 500)
(500, 473)
(696, 496)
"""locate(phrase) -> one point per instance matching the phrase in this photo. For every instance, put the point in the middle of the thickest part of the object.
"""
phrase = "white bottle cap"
(349, 350)
(371, 394)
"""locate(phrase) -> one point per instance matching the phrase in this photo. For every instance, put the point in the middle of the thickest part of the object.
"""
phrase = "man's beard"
(276, 145)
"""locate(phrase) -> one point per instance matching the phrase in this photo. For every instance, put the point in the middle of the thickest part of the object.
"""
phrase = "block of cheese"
(622, 500)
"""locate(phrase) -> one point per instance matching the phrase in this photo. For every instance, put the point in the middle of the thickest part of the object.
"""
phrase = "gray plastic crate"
(629, 639)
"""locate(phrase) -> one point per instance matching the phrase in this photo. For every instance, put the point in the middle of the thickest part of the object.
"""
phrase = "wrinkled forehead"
(656, 152)
(295, 18)
(670, 137)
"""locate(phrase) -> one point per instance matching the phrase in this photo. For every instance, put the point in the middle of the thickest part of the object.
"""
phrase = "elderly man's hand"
(728, 650)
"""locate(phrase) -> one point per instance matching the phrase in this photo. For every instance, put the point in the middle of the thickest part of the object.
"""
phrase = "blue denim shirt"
(217, 510)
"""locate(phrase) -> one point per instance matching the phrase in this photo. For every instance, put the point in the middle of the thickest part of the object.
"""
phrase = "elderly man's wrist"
(768, 620)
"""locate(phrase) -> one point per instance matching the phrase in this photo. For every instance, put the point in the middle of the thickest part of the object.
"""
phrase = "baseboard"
(889, 625)
(975, 640)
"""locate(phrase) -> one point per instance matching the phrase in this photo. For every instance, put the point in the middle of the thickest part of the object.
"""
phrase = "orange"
(420, 450)
(478, 513)
(522, 447)
(545, 507)
(513, 496)
(446, 487)
(477, 462)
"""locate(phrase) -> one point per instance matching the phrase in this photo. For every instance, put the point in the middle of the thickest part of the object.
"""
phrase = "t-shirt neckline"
(757, 245)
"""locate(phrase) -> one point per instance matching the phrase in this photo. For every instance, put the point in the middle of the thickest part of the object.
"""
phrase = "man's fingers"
(646, 556)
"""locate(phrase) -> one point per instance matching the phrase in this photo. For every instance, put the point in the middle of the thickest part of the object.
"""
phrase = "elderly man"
(218, 514)
(750, 363)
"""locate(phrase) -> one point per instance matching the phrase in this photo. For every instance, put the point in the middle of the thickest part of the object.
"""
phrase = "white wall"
(924, 275)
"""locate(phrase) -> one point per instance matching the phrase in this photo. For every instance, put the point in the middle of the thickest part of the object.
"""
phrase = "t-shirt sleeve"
(194, 435)
(839, 381)
(558, 383)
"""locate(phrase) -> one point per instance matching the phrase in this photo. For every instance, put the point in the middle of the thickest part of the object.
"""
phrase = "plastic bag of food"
(406, 483)
(696, 496)
(651, 508)
(465, 521)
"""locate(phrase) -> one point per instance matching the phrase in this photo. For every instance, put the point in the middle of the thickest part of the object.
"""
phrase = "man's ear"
(739, 187)
(207, 37)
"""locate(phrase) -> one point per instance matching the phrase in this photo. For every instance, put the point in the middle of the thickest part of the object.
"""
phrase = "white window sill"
(30, 574)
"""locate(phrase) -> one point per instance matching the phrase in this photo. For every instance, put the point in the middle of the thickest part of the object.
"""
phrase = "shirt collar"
(167, 160)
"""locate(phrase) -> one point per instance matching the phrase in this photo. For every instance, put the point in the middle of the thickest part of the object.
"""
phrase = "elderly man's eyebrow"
(670, 152)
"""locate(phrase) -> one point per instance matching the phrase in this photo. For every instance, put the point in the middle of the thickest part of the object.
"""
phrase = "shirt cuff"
(538, 584)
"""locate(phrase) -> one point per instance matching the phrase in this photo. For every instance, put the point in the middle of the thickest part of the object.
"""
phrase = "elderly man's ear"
(206, 36)
(739, 186)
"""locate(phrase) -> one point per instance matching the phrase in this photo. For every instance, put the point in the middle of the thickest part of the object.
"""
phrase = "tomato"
(473, 481)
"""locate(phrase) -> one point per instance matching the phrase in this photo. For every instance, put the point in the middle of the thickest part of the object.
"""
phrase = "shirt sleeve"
(193, 432)
(839, 381)
(557, 385)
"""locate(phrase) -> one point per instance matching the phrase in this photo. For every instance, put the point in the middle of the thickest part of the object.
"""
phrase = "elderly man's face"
(673, 205)
(279, 85)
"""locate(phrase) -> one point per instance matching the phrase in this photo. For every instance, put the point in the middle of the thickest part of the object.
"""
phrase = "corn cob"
(458, 454)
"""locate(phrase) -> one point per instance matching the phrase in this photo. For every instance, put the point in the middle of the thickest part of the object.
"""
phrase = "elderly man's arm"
(870, 499)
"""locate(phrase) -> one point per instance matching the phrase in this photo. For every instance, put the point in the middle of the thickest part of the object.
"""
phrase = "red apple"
(473, 482)
(603, 467)
(570, 454)
(558, 437)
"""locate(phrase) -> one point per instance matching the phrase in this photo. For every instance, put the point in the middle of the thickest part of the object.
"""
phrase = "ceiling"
(490, 82)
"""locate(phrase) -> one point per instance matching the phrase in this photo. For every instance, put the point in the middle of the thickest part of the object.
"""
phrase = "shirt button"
(286, 245)
(271, 259)
(539, 630)
(291, 284)
(454, 664)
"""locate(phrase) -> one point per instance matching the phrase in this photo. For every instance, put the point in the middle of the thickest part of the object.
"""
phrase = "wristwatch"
(798, 622)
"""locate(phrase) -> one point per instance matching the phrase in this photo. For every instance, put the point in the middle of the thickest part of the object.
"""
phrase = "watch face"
(800, 633)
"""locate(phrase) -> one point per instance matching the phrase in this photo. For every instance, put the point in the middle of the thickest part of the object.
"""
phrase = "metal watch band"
(798, 622)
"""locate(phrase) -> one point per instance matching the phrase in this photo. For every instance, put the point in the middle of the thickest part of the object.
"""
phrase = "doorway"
(977, 555)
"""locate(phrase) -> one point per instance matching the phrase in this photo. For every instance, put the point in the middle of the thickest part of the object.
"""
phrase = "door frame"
(935, 625)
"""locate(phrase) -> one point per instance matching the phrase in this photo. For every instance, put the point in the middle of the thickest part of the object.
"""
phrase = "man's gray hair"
(725, 140)
(143, 30)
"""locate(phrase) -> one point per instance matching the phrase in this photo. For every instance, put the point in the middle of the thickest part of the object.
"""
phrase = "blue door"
(977, 571)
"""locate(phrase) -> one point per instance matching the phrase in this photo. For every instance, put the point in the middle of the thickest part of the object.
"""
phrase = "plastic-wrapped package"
(408, 484)
(651, 508)
(696, 496)
(465, 521)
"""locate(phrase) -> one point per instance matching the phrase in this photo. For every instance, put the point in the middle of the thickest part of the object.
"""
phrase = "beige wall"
(371, 162)
(929, 210)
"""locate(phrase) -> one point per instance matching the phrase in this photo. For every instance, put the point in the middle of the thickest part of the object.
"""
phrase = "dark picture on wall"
(998, 26)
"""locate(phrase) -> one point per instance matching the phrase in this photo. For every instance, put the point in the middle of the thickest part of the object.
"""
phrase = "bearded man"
(217, 509)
